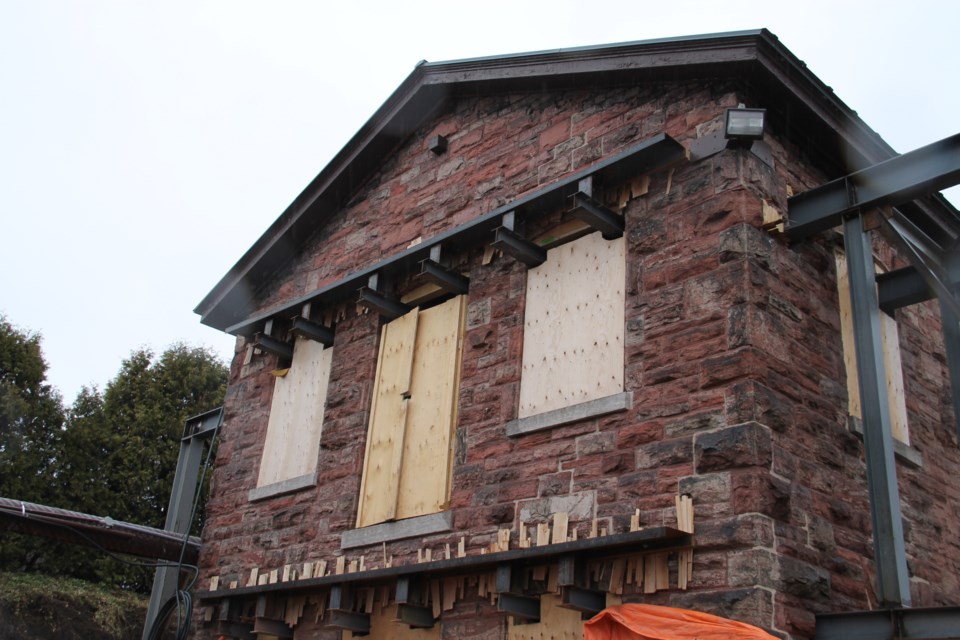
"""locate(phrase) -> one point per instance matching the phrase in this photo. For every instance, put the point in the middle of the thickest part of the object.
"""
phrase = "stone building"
(535, 341)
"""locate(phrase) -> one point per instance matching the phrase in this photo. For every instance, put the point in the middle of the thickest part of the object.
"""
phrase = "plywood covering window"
(408, 456)
(891, 358)
(573, 326)
(296, 416)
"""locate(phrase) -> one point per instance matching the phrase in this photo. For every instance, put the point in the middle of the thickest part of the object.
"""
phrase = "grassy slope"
(39, 606)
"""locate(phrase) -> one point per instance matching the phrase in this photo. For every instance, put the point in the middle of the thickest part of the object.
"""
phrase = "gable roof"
(799, 105)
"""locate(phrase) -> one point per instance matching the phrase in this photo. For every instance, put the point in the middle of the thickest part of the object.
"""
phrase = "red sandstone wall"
(733, 354)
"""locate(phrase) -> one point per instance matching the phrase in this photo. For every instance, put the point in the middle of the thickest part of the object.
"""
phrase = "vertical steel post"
(891, 562)
(180, 508)
(951, 344)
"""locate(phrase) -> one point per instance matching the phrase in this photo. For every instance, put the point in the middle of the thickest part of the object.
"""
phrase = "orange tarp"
(650, 622)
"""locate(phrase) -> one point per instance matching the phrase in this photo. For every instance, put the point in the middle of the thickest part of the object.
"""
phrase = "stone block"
(742, 445)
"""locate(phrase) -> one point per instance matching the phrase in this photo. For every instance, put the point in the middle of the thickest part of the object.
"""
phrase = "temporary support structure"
(928, 233)
(198, 432)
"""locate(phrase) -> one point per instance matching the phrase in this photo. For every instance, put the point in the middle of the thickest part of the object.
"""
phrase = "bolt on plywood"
(573, 326)
(296, 415)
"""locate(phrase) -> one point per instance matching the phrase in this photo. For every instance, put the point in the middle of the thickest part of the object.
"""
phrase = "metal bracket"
(525, 607)
(274, 346)
(608, 223)
(449, 281)
(312, 331)
(341, 614)
(583, 600)
(386, 307)
(518, 248)
(411, 608)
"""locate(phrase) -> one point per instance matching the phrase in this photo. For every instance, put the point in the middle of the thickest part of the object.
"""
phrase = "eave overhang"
(800, 106)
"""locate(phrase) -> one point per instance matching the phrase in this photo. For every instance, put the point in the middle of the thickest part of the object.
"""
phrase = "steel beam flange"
(382, 305)
(519, 248)
(415, 616)
(312, 331)
(608, 223)
(525, 607)
(583, 600)
(274, 346)
(449, 281)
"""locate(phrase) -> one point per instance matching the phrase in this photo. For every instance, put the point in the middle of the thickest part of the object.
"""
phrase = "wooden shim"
(428, 555)
(320, 569)
(234, 584)
(214, 583)
(616, 575)
(462, 548)
(663, 570)
(262, 579)
(341, 565)
(352, 567)
(503, 540)
(543, 534)
(553, 577)
(649, 574)
(482, 586)
(449, 593)
(368, 603)
(635, 521)
(274, 576)
(384, 597)
(435, 598)
(603, 532)
(446, 553)
(573, 535)
(285, 577)
(593, 528)
(254, 573)
(561, 520)
(631, 574)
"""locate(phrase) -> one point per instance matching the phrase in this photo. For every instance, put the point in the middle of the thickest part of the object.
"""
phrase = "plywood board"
(384, 626)
(891, 356)
(431, 412)
(573, 326)
(296, 415)
(385, 436)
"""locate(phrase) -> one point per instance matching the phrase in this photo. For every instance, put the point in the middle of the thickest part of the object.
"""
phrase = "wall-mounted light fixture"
(743, 126)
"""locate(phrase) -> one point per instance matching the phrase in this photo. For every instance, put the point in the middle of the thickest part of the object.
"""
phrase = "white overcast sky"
(144, 146)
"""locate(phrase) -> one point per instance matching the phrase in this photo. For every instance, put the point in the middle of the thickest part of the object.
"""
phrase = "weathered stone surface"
(743, 445)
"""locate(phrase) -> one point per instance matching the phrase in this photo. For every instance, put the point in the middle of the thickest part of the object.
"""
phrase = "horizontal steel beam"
(449, 281)
(609, 224)
(583, 600)
(274, 346)
(415, 616)
(525, 607)
(386, 307)
(643, 541)
(890, 624)
(518, 248)
(312, 331)
(203, 425)
(889, 183)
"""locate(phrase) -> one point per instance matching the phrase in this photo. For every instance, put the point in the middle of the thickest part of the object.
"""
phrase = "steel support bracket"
(583, 600)
(608, 223)
(304, 328)
(415, 616)
(518, 248)
(274, 346)
(518, 606)
(449, 281)
(341, 614)
(382, 305)
(272, 627)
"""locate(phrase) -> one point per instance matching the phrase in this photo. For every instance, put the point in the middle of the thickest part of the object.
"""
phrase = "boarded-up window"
(573, 326)
(296, 415)
(407, 463)
(891, 358)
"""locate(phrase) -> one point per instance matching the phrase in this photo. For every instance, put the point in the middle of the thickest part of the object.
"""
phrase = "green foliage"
(43, 606)
(113, 453)
(30, 415)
